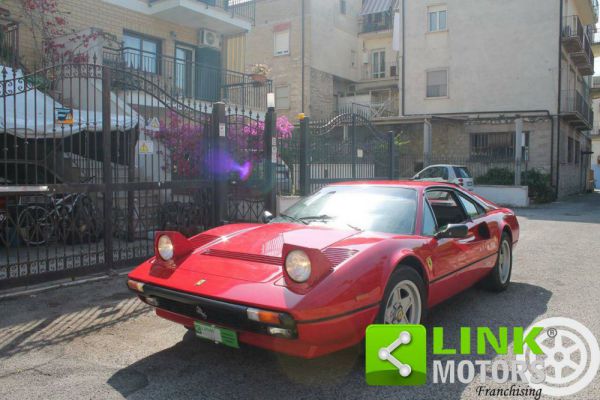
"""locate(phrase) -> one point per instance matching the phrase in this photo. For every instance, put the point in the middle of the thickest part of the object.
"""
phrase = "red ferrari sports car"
(310, 281)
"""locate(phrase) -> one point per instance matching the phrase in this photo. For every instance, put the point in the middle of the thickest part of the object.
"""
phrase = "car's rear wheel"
(404, 301)
(499, 279)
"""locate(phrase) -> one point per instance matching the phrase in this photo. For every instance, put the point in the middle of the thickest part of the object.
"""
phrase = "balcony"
(576, 109)
(228, 17)
(188, 81)
(383, 25)
(369, 73)
(576, 40)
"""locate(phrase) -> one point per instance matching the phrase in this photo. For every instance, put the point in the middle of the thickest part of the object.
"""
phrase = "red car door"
(451, 259)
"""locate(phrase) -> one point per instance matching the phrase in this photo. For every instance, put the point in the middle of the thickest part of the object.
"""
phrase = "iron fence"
(89, 172)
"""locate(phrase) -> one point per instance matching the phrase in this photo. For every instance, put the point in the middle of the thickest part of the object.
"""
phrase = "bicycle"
(70, 219)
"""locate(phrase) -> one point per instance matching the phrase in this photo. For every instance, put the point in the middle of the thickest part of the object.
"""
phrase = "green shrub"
(540, 187)
(496, 176)
(539, 184)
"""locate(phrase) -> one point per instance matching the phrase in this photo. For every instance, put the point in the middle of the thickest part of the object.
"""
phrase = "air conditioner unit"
(209, 38)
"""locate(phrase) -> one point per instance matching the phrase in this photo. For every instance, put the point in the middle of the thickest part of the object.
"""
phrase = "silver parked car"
(458, 174)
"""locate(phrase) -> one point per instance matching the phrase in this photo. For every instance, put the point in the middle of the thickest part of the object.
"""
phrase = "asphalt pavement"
(96, 341)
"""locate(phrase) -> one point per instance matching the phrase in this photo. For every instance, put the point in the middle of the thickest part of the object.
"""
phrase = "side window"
(446, 207)
(429, 224)
(473, 210)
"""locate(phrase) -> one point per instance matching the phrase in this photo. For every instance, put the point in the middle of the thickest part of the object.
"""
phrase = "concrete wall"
(487, 67)
(511, 196)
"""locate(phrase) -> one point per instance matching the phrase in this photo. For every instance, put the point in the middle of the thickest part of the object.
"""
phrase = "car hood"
(255, 253)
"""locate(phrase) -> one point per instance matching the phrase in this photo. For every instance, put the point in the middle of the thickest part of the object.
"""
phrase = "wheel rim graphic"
(561, 340)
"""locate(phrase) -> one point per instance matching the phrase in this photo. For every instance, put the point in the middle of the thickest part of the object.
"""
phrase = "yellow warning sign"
(146, 147)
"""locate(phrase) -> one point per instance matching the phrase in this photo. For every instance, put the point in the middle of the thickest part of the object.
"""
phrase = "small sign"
(222, 130)
(146, 147)
(359, 153)
(274, 142)
(64, 116)
(274, 154)
(153, 125)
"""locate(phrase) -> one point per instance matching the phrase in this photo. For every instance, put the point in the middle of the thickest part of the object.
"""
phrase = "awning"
(376, 6)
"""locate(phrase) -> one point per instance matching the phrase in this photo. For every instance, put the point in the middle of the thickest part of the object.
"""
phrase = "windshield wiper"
(325, 218)
(293, 219)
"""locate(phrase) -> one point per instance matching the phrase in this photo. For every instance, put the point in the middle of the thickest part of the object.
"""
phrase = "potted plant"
(259, 73)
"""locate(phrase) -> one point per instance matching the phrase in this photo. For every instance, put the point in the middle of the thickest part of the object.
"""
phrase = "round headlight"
(297, 265)
(164, 246)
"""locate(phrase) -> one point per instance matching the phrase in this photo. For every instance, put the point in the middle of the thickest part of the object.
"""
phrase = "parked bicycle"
(70, 218)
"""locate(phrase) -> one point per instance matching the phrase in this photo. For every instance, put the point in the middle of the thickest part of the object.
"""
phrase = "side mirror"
(266, 217)
(453, 231)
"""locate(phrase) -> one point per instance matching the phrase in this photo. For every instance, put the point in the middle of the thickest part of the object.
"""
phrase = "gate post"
(107, 168)
(304, 170)
(391, 154)
(270, 160)
(353, 141)
(219, 153)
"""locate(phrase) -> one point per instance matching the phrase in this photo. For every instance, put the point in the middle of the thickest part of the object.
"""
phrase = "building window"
(343, 7)
(577, 151)
(492, 146)
(282, 97)
(378, 64)
(437, 83)
(141, 52)
(183, 70)
(282, 43)
(437, 18)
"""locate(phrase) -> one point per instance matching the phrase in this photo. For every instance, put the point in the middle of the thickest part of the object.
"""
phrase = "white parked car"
(457, 174)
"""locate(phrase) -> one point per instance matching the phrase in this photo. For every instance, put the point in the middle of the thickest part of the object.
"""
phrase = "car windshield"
(361, 207)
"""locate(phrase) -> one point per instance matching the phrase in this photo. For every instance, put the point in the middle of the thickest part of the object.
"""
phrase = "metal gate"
(345, 147)
(95, 158)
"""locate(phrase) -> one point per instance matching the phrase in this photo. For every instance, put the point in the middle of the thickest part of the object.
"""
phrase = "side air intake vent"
(337, 256)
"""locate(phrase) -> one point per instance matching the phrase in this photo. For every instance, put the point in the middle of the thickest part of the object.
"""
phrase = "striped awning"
(376, 6)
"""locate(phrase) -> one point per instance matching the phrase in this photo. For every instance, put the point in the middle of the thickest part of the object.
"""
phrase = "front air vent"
(244, 257)
(337, 256)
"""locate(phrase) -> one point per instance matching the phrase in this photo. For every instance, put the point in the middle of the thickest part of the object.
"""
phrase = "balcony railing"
(576, 108)
(577, 40)
(236, 8)
(188, 80)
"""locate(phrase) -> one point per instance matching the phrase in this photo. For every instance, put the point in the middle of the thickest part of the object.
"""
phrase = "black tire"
(494, 281)
(404, 273)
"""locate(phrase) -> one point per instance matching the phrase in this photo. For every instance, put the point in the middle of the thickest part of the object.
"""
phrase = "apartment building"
(459, 73)
(311, 48)
(471, 68)
(194, 48)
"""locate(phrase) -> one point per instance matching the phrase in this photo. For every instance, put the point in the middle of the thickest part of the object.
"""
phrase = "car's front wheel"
(404, 301)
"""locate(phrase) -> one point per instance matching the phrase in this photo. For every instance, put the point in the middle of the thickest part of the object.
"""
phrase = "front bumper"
(309, 338)
(199, 308)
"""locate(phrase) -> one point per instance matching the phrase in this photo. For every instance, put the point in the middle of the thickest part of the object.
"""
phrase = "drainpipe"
(302, 66)
(403, 56)
(560, 27)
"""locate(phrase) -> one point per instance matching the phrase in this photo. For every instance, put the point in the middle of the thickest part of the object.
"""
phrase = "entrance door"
(208, 74)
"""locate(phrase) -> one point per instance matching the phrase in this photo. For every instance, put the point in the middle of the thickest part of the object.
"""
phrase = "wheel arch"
(415, 263)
